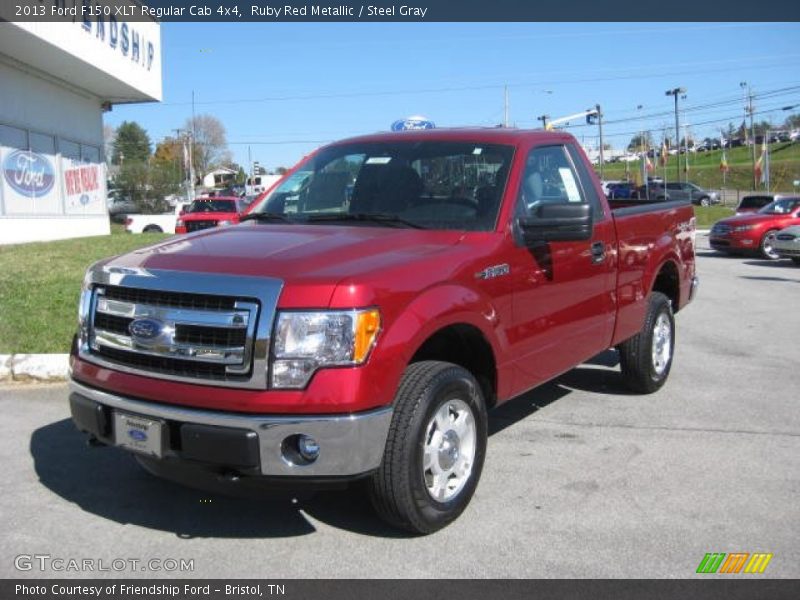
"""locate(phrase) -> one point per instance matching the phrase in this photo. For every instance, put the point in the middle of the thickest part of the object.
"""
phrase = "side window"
(549, 178)
(589, 190)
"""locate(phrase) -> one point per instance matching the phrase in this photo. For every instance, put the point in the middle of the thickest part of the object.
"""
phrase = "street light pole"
(677, 92)
(749, 110)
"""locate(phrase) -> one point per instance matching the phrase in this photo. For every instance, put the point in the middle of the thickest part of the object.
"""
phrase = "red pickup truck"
(207, 212)
(368, 312)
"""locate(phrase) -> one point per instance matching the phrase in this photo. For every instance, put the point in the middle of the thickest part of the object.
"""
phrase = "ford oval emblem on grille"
(139, 436)
(146, 331)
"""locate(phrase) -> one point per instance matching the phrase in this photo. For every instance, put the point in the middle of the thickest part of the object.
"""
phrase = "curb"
(34, 367)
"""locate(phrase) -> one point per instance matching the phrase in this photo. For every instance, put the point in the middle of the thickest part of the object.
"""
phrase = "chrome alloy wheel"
(449, 451)
(662, 344)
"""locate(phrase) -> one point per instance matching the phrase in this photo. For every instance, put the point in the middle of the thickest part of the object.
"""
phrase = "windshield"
(428, 184)
(204, 206)
(780, 207)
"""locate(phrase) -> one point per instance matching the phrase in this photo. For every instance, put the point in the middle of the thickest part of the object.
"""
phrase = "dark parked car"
(684, 191)
(753, 203)
(623, 190)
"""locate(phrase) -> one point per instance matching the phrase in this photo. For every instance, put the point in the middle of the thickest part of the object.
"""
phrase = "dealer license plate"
(139, 434)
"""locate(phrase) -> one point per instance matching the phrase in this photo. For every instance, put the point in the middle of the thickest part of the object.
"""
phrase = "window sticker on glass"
(378, 160)
(569, 184)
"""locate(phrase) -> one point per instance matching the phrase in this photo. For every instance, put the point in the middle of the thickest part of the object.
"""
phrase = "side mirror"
(557, 223)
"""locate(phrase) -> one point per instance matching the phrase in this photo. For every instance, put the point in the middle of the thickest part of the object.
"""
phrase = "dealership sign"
(28, 173)
(412, 123)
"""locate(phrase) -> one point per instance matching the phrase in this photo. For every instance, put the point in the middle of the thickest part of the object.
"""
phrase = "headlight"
(307, 341)
(743, 228)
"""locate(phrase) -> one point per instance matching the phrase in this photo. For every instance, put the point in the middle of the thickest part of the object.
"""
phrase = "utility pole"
(752, 134)
(505, 106)
(600, 131)
(543, 119)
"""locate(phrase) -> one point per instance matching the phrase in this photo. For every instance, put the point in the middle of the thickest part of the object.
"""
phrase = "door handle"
(598, 252)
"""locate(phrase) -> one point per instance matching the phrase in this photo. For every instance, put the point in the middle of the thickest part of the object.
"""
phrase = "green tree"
(131, 144)
(792, 121)
(640, 140)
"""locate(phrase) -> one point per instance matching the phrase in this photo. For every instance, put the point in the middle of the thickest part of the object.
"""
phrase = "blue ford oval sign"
(137, 435)
(412, 123)
(146, 330)
(28, 173)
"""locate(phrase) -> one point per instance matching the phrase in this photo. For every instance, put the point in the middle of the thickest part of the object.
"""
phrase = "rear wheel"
(434, 450)
(153, 229)
(766, 249)
(646, 358)
(705, 201)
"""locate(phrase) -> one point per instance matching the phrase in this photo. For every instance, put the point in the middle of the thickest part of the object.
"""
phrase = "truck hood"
(302, 254)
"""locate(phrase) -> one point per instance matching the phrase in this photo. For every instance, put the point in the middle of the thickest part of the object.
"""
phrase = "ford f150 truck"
(361, 325)
(212, 211)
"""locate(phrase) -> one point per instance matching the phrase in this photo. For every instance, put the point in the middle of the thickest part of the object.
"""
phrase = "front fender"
(407, 328)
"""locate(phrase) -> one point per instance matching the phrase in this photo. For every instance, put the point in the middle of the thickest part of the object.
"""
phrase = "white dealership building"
(56, 80)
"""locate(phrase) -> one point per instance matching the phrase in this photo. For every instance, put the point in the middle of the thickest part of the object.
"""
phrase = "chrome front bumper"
(349, 445)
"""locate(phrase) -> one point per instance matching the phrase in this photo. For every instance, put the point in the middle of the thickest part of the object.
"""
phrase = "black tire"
(796, 260)
(765, 247)
(398, 489)
(640, 372)
(705, 201)
(153, 229)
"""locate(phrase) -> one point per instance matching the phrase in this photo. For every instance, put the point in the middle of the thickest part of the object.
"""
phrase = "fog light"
(299, 450)
(308, 448)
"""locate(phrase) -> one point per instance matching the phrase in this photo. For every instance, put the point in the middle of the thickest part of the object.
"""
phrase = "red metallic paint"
(552, 311)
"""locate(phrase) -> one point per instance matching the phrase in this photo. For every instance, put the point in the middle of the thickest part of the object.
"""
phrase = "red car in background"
(754, 232)
(208, 212)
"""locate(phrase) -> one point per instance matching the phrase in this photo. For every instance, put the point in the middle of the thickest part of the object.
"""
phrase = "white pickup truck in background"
(163, 223)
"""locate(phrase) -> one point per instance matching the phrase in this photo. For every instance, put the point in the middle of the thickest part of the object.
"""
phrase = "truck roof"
(488, 135)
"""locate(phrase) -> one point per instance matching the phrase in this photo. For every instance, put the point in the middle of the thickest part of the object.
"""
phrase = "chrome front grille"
(139, 322)
(199, 225)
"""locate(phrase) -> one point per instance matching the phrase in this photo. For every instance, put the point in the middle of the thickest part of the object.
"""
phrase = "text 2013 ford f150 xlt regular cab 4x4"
(365, 315)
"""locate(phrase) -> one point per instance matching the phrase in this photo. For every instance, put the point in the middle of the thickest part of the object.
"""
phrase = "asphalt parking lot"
(581, 480)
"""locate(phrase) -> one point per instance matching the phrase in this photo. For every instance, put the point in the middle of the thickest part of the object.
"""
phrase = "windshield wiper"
(380, 218)
(266, 216)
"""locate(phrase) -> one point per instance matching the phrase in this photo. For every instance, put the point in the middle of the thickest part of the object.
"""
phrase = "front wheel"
(646, 358)
(434, 450)
(766, 248)
(705, 201)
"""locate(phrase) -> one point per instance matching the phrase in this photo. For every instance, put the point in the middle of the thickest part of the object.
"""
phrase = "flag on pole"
(664, 154)
(759, 166)
(648, 164)
(723, 163)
